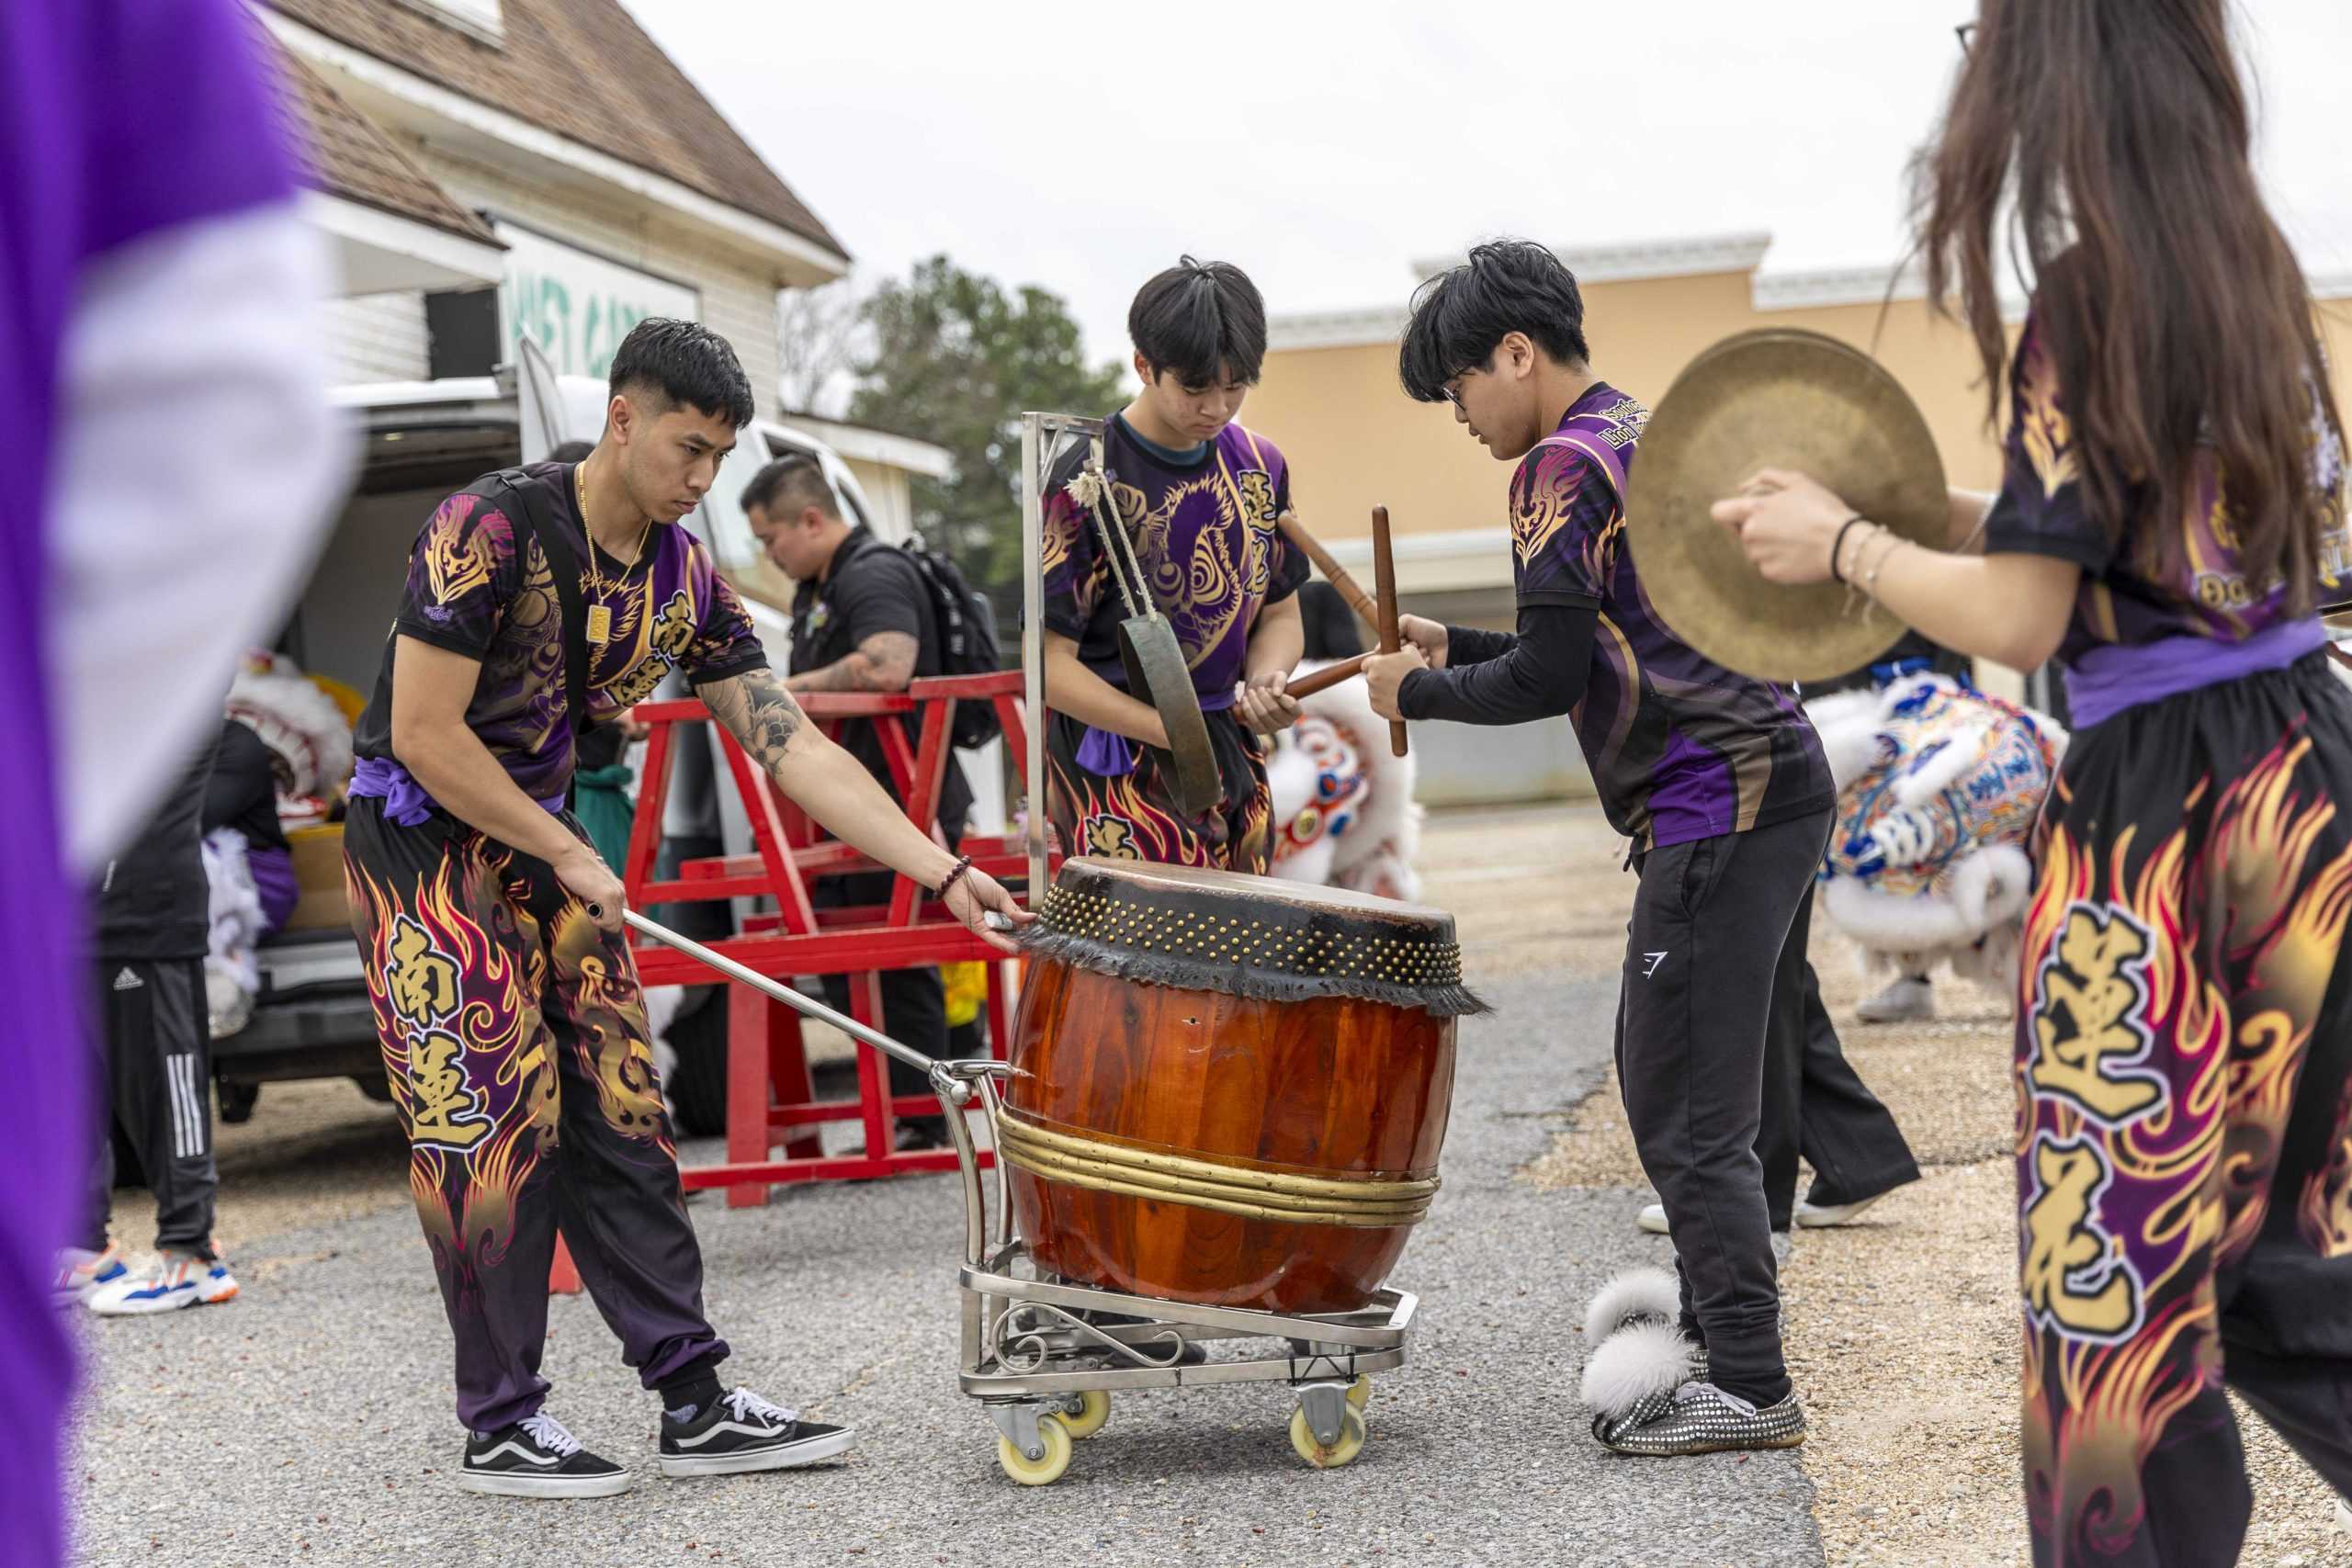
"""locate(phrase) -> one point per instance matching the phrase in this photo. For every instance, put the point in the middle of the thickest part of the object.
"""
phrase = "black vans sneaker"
(739, 1432)
(537, 1458)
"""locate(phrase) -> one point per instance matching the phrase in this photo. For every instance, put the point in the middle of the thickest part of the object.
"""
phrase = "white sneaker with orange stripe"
(176, 1281)
(82, 1273)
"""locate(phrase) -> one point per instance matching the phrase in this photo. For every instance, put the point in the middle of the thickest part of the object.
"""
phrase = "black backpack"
(966, 638)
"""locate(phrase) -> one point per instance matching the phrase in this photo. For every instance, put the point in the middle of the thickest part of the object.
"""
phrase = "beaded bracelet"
(1869, 583)
(947, 882)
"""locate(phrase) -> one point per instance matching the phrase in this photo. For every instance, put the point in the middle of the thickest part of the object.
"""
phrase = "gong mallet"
(1349, 589)
(1384, 583)
(1323, 680)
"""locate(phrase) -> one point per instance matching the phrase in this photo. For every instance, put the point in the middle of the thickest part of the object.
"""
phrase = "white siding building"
(598, 185)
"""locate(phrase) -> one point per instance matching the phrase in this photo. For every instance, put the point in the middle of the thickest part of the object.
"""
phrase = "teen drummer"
(1716, 778)
(1199, 497)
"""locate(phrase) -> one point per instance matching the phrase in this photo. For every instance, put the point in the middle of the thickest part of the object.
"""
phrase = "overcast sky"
(1324, 146)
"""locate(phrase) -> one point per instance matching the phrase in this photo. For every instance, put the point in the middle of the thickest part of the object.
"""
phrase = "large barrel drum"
(1226, 1089)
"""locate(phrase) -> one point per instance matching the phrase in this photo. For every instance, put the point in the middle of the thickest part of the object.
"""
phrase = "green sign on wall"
(575, 305)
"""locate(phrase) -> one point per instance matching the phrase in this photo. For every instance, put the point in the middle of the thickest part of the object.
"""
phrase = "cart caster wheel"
(1046, 1469)
(1351, 1443)
(1359, 1391)
(1093, 1414)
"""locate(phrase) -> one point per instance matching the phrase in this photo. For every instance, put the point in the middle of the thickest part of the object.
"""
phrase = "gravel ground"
(309, 1421)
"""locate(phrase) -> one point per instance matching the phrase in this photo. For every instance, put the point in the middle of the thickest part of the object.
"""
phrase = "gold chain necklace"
(600, 614)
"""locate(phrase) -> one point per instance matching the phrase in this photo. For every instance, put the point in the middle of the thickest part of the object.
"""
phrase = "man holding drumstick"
(1718, 781)
(1201, 499)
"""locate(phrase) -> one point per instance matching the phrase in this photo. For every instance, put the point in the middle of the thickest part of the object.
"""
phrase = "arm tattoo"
(757, 711)
(883, 662)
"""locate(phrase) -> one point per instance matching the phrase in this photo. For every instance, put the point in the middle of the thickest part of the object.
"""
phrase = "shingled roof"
(584, 70)
(350, 158)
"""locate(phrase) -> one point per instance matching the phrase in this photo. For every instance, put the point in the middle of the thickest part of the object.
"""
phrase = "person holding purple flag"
(2170, 523)
(541, 601)
(160, 284)
(1201, 500)
(1719, 781)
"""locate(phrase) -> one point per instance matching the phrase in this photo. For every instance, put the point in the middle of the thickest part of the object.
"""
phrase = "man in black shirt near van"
(862, 621)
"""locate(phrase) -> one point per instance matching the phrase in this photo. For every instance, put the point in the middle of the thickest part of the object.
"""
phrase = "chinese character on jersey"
(2075, 1277)
(443, 1107)
(2087, 1025)
(421, 982)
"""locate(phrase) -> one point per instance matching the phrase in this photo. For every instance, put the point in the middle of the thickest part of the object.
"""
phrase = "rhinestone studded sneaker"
(1699, 1418)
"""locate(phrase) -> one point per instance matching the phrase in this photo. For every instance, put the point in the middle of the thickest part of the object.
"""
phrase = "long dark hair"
(2172, 305)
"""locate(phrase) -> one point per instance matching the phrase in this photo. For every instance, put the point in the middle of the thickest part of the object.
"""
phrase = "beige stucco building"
(1330, 399)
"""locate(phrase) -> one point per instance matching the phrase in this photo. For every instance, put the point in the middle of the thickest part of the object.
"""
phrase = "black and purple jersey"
(1204, 534)
(2133, 631)
(1679, 747)
(472, 591)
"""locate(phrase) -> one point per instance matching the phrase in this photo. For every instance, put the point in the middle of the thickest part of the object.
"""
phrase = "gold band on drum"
(1205, 1184)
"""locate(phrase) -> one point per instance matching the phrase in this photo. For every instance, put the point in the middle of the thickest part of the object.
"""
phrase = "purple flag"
(119, 122)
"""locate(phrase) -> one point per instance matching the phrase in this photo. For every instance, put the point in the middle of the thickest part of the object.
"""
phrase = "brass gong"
(1780, 398)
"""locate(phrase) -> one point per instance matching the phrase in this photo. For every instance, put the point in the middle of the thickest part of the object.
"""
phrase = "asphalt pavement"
(310, 1422)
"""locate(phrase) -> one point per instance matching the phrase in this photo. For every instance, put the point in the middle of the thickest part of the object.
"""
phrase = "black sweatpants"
(1815, 1101)
(1710, 921)
(159, 1090)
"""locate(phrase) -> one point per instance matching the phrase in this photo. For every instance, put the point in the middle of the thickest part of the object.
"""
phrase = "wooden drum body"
(1226, 1090)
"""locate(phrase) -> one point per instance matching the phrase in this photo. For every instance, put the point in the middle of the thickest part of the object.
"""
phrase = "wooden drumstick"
(1349, 589)
(1331, 675)
(1384, 583)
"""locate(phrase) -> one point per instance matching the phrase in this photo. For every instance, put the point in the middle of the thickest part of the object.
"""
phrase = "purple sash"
(405, 802)
(2106, 681)
(1110, 755)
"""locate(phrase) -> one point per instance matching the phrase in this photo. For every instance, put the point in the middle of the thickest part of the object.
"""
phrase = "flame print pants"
(515, 1044)
(2185, 1129)
(1134, 817)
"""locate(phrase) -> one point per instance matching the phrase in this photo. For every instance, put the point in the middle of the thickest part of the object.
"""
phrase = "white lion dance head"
(1344, 811)
(1938, 787)
(305, 731)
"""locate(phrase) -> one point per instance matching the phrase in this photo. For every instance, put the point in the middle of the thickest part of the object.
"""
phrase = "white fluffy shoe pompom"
(1635, 1362)
(1637, 1293)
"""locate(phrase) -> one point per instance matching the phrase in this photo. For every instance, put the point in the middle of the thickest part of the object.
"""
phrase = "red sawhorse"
(770, 1097)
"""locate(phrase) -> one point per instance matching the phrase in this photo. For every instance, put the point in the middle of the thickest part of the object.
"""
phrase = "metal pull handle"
(775, 991)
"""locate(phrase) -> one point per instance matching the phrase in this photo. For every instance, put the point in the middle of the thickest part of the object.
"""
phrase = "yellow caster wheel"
(1047, 1468)
(1351, 1443)
(1359, 1391)
(1091, 1415)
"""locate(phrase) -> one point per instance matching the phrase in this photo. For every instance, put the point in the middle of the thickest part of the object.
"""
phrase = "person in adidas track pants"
(152, 915)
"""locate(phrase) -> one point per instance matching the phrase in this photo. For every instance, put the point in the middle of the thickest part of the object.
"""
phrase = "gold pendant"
(600, 623)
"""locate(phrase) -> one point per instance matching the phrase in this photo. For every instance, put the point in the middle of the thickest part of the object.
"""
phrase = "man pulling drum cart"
(1220, 1122)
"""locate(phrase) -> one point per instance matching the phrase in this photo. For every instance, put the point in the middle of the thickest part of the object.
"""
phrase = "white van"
(423, 440)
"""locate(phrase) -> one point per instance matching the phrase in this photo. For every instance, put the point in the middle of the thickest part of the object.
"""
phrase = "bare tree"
(819, 333)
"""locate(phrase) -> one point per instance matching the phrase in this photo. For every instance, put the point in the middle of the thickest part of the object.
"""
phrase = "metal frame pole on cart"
(1039, 435)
